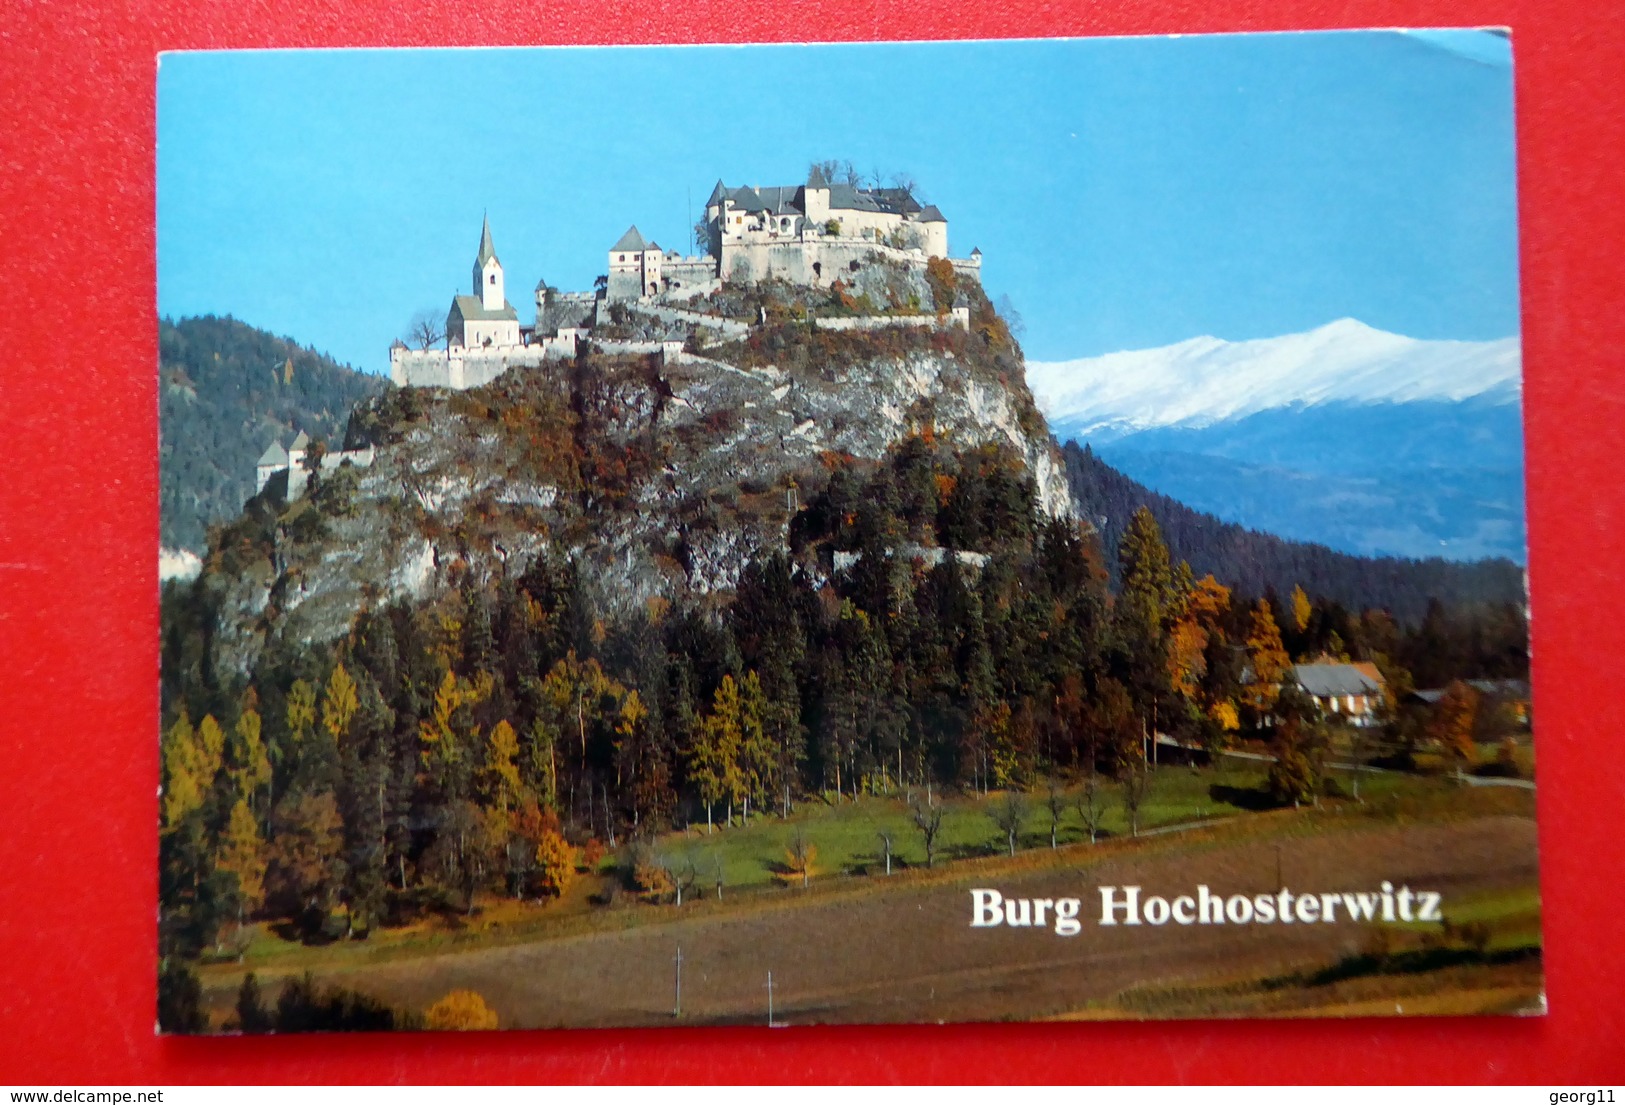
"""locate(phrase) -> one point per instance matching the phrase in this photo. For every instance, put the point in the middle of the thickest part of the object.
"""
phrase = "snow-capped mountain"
(1356, 438)
(1206, 380)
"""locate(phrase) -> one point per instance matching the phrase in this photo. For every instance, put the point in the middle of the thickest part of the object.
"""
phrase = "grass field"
(900, 948)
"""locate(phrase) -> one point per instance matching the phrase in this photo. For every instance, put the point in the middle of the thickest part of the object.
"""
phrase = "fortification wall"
(460, 368)
(819, 260)
(729, 327)
(959, 316)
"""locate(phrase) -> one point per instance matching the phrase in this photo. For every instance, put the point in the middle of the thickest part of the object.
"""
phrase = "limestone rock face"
(658, 478)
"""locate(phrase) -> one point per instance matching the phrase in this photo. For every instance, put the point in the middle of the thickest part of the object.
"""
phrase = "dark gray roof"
(470, 309)
(931, 215)
(746, 199)
(274, 456)
(1326, 680)
(844, 197)
(718, 194)
(631, 241)
(900, 200)
(1504, 688)
(487, 250)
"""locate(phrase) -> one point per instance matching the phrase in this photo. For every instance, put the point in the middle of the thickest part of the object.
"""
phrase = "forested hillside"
(1255, 562)
(226, 391)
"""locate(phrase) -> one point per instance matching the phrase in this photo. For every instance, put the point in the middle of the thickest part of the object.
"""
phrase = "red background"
(79, 534)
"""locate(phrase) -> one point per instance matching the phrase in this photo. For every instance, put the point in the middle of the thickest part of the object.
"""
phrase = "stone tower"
(488, 273)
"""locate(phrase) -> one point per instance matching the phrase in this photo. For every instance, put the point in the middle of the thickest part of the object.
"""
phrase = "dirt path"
(910, 954)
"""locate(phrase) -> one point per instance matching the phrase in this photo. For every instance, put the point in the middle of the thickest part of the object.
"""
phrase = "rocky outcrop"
(658, 479)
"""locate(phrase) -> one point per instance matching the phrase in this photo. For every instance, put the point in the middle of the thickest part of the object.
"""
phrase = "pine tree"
(252, 1016)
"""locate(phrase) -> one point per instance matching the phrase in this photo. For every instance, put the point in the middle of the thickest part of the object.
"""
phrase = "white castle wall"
(958, 316)
(459, 367)
(818, 260)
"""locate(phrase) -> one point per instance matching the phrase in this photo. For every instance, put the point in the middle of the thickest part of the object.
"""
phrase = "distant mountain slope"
(1254, 561)
(1347, 436)
(226, 391)
(1205, 380)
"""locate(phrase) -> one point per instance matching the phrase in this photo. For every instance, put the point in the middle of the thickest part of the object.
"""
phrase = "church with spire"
(484, 320)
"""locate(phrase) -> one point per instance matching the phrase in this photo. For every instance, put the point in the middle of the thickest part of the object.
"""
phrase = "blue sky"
(1125, 193)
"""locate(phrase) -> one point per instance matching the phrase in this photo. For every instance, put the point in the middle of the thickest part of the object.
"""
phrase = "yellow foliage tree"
(183, 792)
(460, 1011)
(339, 704)
(301, 711)
(1268, 658)
(1187, 647)
(502, 768)
(555, 864)
(211, 746)
(242, 853)
(248, 765)
(1301, 610)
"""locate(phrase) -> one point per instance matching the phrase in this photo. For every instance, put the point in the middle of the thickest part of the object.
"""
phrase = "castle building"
(290, 462)
(807, 234)
(811, 235)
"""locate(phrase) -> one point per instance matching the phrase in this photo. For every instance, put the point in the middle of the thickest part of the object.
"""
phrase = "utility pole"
(677, 1009)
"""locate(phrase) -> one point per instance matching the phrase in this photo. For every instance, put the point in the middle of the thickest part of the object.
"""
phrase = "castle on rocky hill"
(809, 235)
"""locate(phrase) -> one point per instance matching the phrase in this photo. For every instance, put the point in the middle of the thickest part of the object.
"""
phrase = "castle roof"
(470, 309)
(487, 250)
(631, 241)
(718, 194)
(302, 441)
(931, 215)
(899, 200)
(275, 456)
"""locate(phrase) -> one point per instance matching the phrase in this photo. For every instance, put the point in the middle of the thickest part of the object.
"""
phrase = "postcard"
(778, 535)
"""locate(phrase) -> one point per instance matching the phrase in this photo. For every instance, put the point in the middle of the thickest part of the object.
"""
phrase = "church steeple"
(488, 272)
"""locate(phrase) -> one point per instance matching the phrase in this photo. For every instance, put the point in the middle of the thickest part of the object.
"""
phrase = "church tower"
(488, 273)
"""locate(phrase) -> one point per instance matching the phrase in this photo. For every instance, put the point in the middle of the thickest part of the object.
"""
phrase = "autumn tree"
(460, 1011)
(242, 855)
(555, 864)
(184, 765)
(305, 868)
(714, 754)
(1451, 726)
(1301, 609)
(1297, 741)
(248, 764)
(1267, 657)
(800, 854)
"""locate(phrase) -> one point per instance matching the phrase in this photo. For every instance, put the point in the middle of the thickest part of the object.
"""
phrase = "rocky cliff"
(659, 477)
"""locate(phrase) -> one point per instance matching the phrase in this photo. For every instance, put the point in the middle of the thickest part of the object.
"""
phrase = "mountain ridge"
(1205, 380)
